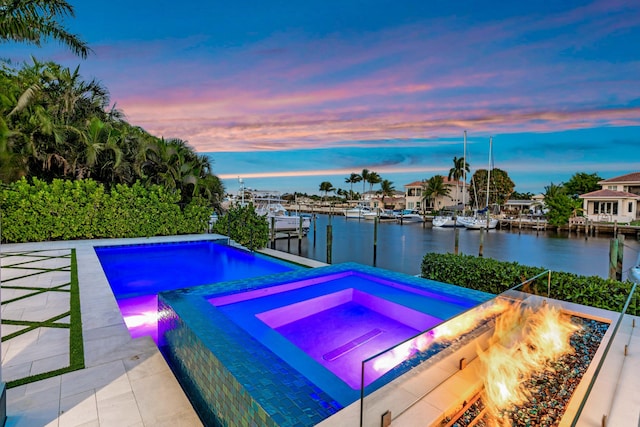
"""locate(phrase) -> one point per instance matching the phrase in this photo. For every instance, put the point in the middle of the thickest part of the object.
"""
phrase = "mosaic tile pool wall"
(212, 368)
(232, 378)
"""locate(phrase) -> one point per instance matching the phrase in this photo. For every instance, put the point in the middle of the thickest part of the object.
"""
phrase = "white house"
(413, 195)
(618, 200)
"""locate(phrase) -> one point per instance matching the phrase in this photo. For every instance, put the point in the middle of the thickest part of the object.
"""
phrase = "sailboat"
(450, 219)
(486, 223)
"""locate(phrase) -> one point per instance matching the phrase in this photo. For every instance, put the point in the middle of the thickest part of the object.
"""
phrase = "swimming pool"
(293, 344)
(136, 273)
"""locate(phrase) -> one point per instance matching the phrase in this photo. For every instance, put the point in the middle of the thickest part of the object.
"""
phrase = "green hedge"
(245, 226)
(493, 276)
(82, 209)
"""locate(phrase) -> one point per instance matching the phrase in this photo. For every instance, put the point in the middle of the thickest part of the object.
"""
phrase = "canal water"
(401, 247)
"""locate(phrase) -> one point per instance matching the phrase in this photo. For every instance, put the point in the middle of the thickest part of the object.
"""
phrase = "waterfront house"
(533, 206)
(397, 201)
(414, 193)
(617, 200)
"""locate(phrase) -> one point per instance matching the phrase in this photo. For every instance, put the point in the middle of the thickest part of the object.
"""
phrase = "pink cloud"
(433, 77)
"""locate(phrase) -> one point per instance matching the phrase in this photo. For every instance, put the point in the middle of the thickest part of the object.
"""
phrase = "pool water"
(338, 320)
(134, 270)
(136, 273)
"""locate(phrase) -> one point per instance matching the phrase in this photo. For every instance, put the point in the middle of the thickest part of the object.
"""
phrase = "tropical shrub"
(243, 225)
(82, 209)
(492, 276)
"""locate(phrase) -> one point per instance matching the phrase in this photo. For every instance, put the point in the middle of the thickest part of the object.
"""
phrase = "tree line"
(366, 176)
(501, 187)
(56, 125)
(561, 200)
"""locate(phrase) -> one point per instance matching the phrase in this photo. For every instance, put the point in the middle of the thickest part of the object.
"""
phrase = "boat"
(444, 221)
(480, 224)
(448, 217)
(269, 204)
(358, 211)
(486, 223)
(380, 214)
(409, 215)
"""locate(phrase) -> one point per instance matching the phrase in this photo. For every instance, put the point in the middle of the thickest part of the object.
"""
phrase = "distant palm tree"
(432, 188)
(387, 189)
(33, 21)
(353, 179)
(326, 186)
(457, 171)
(364, 175)
(373, 179)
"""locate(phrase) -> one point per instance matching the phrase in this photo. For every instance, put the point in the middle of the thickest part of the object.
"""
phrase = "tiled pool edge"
(219, 373)
(227, 371)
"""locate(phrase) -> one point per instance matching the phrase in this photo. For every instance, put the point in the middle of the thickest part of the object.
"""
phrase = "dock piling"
(613, 259)
(273, 232)
(315, 227)
(620, 260)
(375, 240)
(456, 240)
(329, 242)
(300, 236)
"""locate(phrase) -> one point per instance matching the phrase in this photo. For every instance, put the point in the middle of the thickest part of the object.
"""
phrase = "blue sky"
(289, 94)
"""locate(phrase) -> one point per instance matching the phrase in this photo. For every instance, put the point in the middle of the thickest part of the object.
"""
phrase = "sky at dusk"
(289, 94)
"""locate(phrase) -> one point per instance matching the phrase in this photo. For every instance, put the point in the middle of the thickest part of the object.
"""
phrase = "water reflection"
(401, 248)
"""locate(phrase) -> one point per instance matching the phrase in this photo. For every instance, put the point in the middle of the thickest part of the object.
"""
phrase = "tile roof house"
(618, 200)
(414, 194)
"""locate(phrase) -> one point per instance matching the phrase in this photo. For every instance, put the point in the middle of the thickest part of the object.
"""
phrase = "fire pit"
(458, 388)
(546, 392)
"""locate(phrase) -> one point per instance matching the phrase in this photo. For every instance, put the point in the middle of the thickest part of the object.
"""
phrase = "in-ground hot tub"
(287, 349)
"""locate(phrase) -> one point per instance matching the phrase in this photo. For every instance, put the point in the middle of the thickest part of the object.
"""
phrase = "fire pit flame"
(525, 340)
(447, 331)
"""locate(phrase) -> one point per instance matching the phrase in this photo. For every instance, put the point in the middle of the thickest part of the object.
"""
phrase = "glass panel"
(631, 304)
(413, 373)
(397, 378)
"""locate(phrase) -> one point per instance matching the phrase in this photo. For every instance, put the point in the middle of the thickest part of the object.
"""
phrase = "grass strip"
(37, 271)
(76, 346)
(37, 291)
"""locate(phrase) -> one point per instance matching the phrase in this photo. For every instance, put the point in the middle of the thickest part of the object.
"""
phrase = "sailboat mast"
(489, 171)
(464, 172)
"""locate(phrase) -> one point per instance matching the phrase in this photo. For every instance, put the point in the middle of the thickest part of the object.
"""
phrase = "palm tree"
(387, 189)
(326, 186)
(457, 171)
(353, 179)
(101, 142)
(364, 175)
(373, 178)
(33, 21)
(433, 188)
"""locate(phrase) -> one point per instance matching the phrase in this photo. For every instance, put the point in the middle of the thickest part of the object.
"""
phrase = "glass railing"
(632, 299)
(395, 380)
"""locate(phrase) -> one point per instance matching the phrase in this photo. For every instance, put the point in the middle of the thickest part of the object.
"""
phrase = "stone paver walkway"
(36, 314)
(120, 381)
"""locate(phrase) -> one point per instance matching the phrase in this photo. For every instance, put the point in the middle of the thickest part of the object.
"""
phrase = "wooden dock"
(578, 225)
